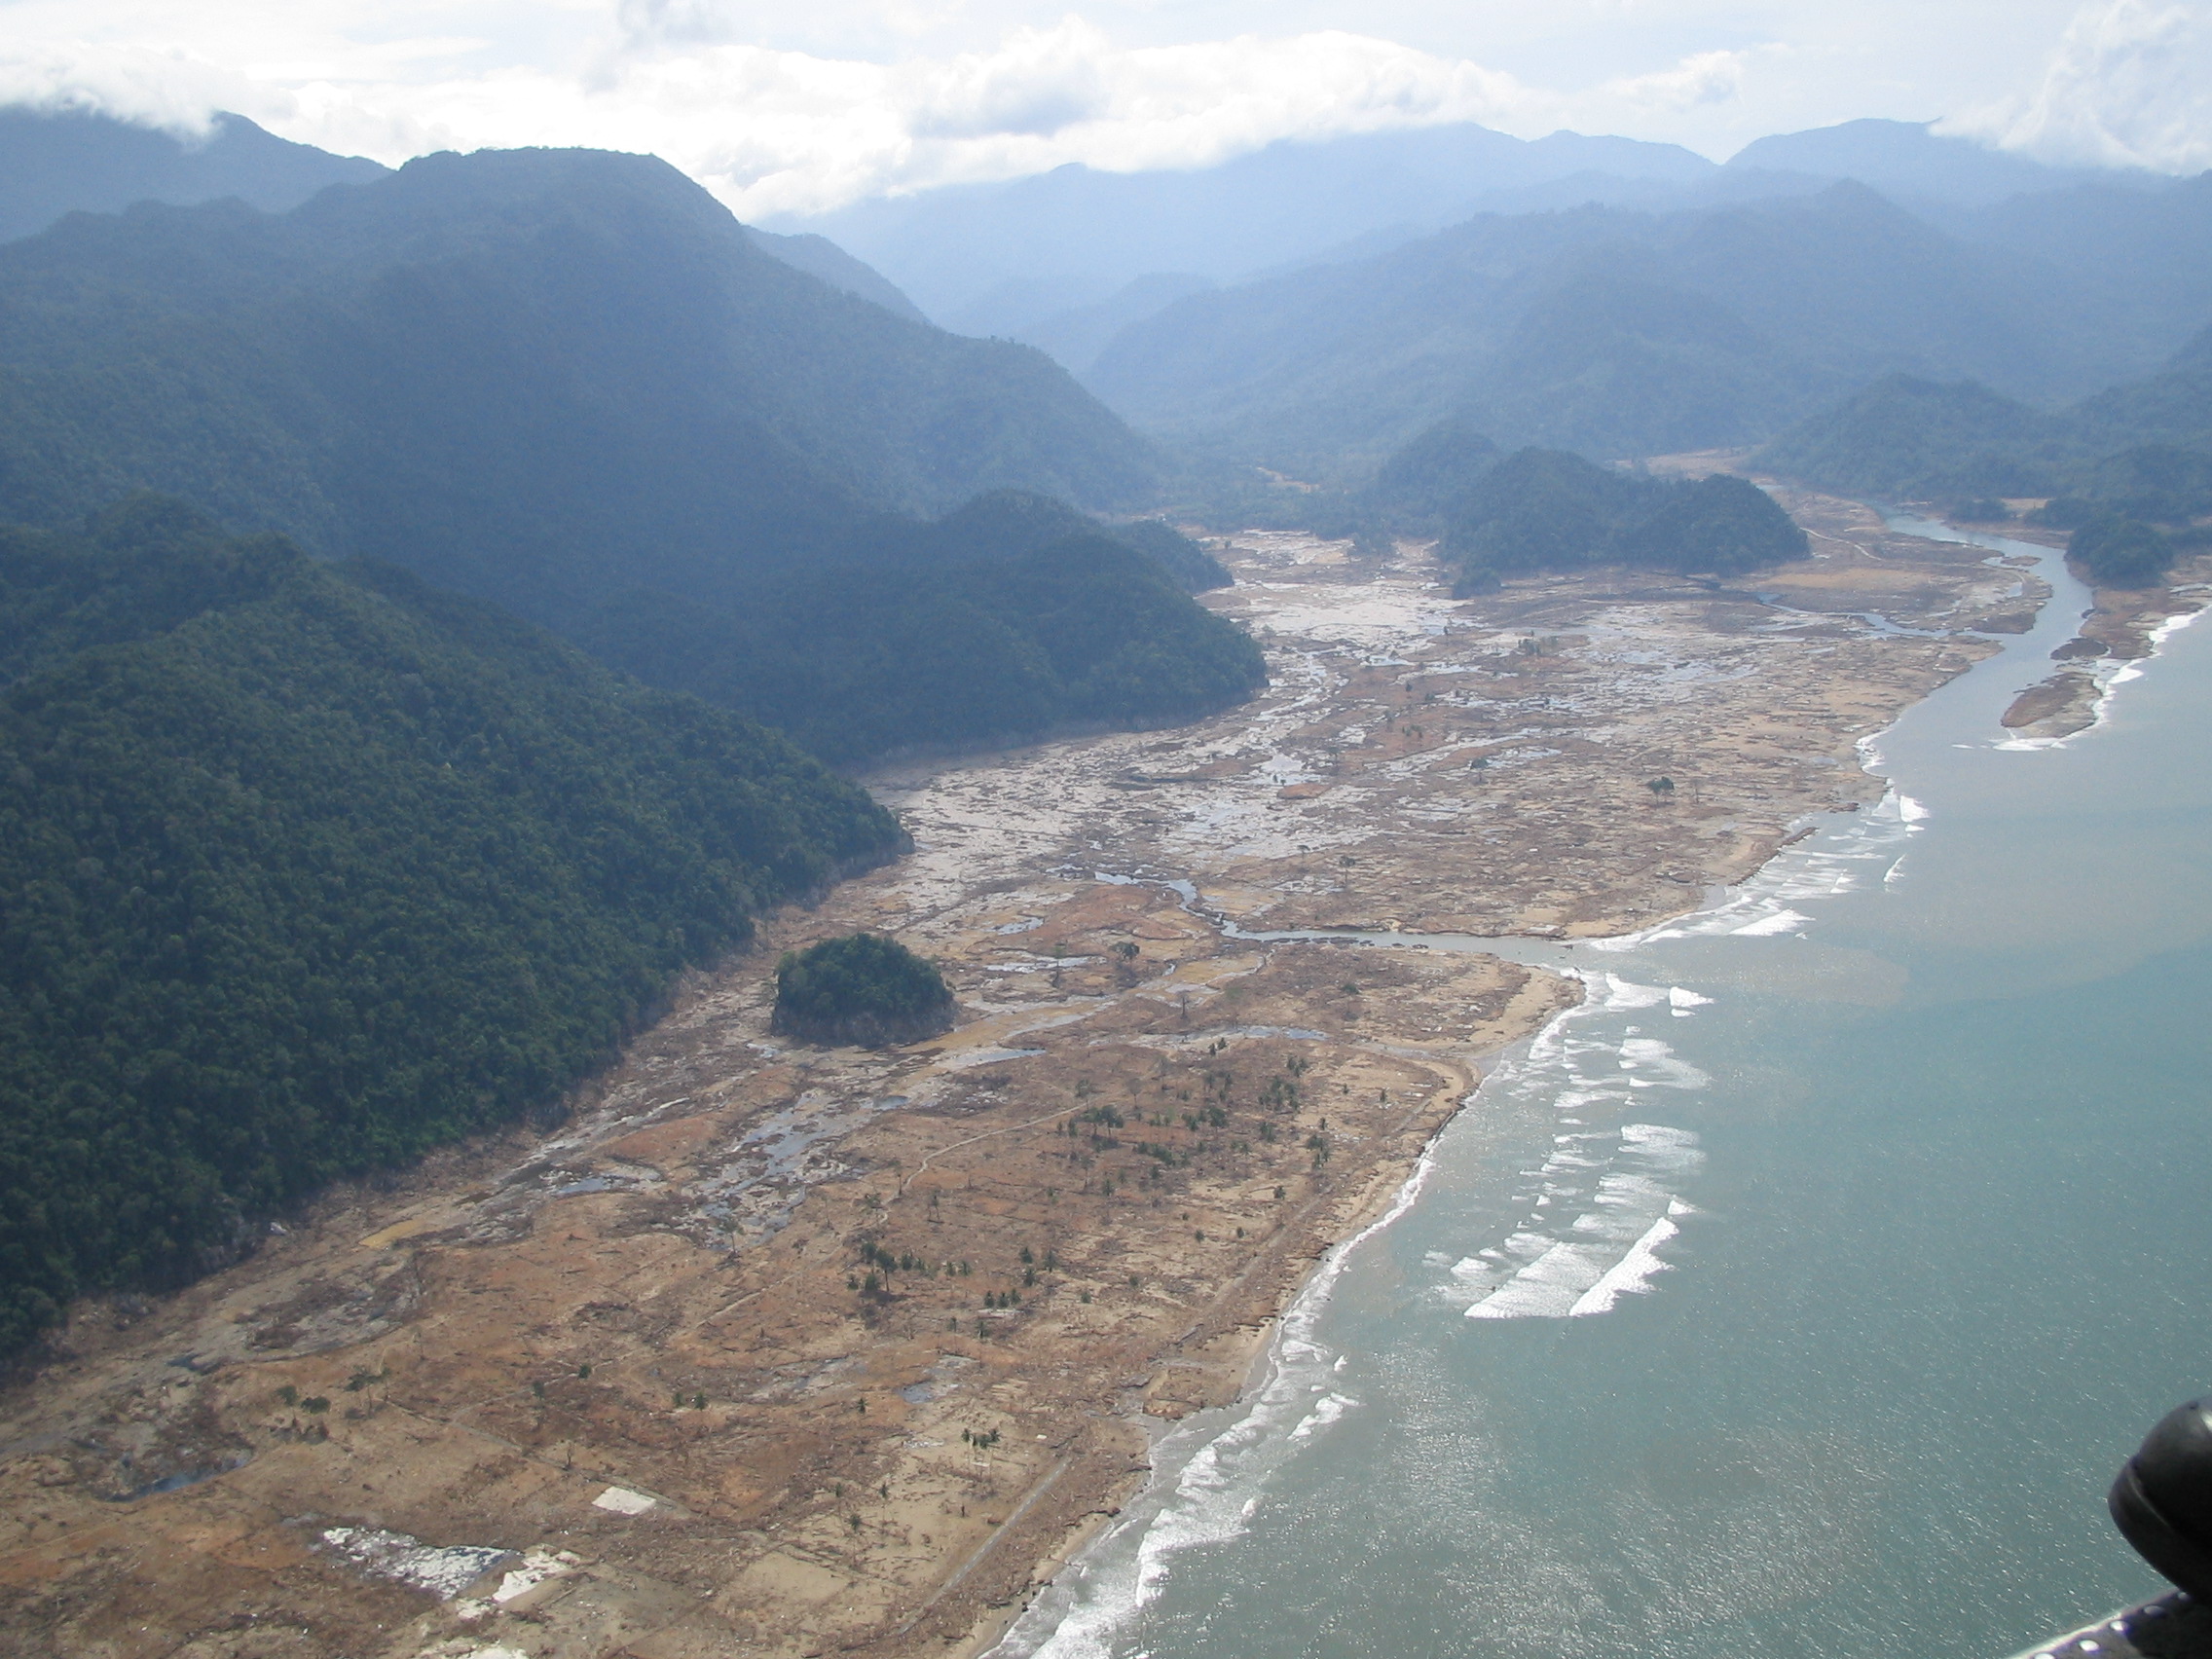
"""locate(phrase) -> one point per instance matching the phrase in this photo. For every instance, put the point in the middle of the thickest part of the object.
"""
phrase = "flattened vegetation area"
(785, 1349)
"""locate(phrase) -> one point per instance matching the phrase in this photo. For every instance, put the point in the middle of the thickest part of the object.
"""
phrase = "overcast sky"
(784, 106)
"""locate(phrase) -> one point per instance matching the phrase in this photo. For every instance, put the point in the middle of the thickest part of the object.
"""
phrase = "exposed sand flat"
(779, 1351)
(2123, 627)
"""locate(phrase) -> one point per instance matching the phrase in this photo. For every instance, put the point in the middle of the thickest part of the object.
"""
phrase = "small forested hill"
(1549, 511)
(1423, 483)
(307, 867)
(1910, 438)
(856, 662)
(862, 988)
(538, 377)
(63, 161)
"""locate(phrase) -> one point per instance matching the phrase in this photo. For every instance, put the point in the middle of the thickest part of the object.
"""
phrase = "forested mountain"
(1005, 523)
(538, 377)
(1074, 335)
(1911, 438)
(825, 261)
(1010, 619)
(1602, 330)
(64, 161)
(308, 868)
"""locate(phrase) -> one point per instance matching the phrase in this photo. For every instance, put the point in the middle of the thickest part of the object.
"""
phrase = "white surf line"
(2108, 678)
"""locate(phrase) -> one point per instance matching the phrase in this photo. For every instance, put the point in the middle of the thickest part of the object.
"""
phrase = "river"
(1798, 1294)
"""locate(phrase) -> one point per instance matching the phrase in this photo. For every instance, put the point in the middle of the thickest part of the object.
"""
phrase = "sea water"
(1796, 1295)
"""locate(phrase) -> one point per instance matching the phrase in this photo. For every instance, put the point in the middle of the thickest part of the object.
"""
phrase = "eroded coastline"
(650, 1350)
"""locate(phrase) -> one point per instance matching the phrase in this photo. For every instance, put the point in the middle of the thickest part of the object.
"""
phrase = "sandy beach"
(773, 1349)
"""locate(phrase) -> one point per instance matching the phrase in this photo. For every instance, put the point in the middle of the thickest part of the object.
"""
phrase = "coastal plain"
(771, 1349)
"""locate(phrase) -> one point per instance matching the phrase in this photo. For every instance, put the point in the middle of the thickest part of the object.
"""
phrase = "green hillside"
(860, 661)
(1004, 523)
(308, 868)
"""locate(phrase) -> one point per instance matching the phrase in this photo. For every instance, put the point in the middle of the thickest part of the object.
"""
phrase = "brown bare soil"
(778, 1349)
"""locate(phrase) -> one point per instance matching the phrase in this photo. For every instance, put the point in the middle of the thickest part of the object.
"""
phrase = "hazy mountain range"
(1014, 258)
(1619, 332)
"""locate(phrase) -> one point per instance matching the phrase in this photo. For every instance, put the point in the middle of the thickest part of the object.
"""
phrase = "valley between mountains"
(773, 1349)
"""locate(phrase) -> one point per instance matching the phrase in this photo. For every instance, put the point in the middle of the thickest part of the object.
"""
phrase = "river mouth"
(1671, 1478)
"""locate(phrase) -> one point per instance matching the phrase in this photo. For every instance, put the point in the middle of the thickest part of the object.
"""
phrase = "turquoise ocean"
(1800, 1293)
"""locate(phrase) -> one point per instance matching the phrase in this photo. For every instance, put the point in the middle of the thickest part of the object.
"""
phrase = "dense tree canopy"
(305, 868)
(1549, 511)
(861, 988)
(858, 661)
(2121, 552)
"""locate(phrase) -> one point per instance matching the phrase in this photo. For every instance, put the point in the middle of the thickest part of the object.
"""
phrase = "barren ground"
(779, 1351)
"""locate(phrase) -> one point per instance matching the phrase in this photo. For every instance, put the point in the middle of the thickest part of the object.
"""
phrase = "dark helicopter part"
(2163, 1504)
(2162, 1500)
(2173, 1627)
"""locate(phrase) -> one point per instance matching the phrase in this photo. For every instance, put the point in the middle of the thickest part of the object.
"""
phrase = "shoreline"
(2156, 614)
(691, 1230)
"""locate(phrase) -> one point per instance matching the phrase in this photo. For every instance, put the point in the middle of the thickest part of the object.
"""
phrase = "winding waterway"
(1799, 1293)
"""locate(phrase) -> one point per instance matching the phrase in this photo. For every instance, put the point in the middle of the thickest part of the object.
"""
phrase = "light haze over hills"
(1003, 258)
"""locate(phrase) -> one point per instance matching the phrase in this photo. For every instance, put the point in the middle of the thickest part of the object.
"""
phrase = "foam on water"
(1209, 1474)
(1609, 1250)
(1588, 1225)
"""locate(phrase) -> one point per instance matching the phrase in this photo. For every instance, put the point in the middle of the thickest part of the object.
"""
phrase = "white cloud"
(780, 109)
(2129, 85)
(779, 130)
(172, 90)
(1037, 84)
(782, 132)
(1706, 78)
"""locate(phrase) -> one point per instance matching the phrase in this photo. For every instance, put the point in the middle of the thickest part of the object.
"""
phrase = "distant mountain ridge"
(1612, 333)
(63, 161)
(1011, 257)
(1091, 231)
(1910, 161)
(54, 162)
